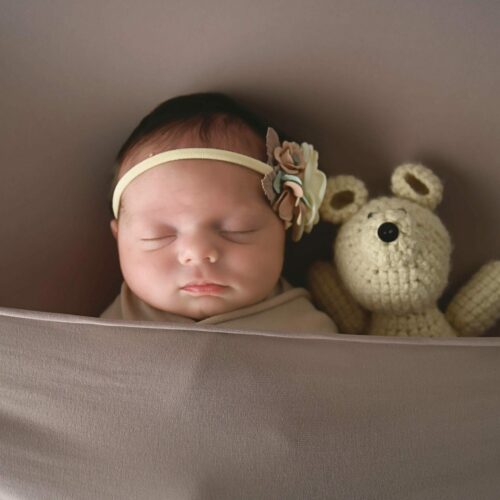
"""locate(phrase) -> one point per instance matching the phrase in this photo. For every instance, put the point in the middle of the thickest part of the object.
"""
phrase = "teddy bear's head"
(392, 253)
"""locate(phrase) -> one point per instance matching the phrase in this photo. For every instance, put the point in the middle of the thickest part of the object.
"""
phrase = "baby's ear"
(114, 228)
(415, 182)
(344, 196)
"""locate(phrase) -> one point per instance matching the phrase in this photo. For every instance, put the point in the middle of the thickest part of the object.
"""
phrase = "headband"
(292, 182)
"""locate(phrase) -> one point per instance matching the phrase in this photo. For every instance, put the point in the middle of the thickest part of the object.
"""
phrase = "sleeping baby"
(202, 197)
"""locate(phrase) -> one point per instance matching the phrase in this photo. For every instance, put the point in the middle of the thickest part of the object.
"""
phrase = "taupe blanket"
(97, 409)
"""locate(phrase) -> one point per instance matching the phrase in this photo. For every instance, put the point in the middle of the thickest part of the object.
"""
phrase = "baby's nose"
(197, 251)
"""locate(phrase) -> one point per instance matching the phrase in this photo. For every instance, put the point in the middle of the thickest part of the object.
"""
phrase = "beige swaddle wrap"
(285, 309)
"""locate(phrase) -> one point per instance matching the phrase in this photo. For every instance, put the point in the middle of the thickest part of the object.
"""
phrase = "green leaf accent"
(277, 182)
(292, 178)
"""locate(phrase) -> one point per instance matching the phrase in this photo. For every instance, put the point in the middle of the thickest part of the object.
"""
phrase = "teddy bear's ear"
(415, 182)
(344, 196)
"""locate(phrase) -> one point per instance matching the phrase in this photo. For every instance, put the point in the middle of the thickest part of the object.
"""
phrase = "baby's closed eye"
(151, 244)
(238, 234)
(166, 237)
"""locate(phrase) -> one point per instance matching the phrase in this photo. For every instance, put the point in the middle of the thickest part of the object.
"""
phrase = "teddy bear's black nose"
(388, 232)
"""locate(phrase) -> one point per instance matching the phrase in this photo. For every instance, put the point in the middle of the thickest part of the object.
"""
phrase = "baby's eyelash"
(157, 239)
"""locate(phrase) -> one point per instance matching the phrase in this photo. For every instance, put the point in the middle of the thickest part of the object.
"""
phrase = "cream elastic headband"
(291, 180)
(185, 154)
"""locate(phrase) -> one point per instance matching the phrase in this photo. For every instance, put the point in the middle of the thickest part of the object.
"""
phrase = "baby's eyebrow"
(144, 222)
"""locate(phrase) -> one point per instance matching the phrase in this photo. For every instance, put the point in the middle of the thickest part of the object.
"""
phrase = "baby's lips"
(204, 289)
(202, 282)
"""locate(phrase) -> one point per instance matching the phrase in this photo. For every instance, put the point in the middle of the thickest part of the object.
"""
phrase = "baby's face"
(199, 238)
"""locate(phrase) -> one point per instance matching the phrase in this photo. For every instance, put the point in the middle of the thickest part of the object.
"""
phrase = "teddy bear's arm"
(330, 295)
(476, 306)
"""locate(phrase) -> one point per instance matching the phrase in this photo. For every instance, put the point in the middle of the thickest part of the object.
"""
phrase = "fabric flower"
(290, 157)
(295, 187)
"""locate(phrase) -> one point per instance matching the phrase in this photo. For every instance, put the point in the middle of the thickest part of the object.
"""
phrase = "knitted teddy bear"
(391, 263)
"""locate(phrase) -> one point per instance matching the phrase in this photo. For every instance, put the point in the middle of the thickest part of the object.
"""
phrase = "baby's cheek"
(261, 263)
(142, 267)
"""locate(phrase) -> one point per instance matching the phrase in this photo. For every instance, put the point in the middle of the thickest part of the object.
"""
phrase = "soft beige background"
(371, 84)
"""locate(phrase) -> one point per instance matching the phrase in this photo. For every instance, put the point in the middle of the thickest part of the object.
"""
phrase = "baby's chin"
(204, 309)
(199, 308)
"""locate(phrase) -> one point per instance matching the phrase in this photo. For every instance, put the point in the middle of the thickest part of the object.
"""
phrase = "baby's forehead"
(177, 213)
(204, 188)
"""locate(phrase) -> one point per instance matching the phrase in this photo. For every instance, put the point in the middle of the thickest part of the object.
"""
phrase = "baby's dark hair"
(202, 112)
